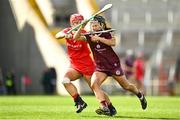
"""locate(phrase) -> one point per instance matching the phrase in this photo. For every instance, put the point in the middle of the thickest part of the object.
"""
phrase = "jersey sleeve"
(108, 35)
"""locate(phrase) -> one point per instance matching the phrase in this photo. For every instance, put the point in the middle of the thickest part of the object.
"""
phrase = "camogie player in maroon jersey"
(107, 64)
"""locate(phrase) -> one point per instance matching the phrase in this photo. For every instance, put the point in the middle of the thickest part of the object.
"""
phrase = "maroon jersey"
(105, 58)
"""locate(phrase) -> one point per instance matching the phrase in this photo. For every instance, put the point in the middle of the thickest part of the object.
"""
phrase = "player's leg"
(132, 88)
(140, 85)
(88, 79)
(96, 81)
(72, 75)
(110, 106)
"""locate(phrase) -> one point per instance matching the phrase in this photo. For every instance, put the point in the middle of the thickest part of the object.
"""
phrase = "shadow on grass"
(131, 117)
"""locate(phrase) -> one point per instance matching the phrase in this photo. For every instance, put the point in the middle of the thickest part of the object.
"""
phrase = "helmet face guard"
(99, 18)
(75, 17)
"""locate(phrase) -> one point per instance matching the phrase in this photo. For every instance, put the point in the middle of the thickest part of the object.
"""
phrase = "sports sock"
(78, 99)
(140, 96)
(104, 103)
(75, 97)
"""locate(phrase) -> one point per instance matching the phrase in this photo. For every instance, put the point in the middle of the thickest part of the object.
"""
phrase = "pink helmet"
(76, 17)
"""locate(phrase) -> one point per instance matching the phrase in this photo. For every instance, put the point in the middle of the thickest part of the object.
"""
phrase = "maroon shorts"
(116, 71)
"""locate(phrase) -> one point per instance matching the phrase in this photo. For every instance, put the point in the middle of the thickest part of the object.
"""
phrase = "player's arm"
(77, 34)
(61, 35)
(110, 42)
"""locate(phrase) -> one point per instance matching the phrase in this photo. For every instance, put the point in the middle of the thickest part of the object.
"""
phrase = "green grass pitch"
(62, 108)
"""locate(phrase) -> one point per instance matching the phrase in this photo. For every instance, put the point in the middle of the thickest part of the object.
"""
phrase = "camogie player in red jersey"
(107, 64)
(80, 59)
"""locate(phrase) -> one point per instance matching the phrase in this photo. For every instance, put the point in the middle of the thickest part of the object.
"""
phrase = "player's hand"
(95, 38)
(68, 36)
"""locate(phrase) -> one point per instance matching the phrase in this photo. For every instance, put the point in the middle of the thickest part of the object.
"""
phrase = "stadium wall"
(18, 50)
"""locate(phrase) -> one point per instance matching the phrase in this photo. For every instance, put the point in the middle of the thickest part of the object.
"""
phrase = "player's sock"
(75, 97)
(112, 109)
(79, 103)
(104, 103)
(139, 95)
(142, 100)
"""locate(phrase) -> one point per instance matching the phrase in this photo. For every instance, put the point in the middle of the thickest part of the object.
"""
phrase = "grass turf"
(58, 107)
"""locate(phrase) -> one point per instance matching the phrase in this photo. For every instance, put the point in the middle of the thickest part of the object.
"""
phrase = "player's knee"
(66, 80)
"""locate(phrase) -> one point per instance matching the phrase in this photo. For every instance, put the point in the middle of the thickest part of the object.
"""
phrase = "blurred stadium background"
(28, 46)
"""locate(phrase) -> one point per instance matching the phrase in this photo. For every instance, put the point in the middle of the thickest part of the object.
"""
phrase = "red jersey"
(139, 68)
(79, 55)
